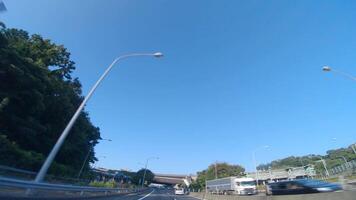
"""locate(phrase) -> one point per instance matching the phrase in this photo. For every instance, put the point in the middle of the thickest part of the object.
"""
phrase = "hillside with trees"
(332, 158)
(220, 170)
(38, 96)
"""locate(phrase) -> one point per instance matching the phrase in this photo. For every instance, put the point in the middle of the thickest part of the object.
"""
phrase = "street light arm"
(344, 74)
(261, 147)
(41, 174)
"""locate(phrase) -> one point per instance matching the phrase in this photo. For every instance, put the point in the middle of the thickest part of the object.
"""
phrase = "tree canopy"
(138, 177)
(38, 96)
(332, 158)
(223, 170)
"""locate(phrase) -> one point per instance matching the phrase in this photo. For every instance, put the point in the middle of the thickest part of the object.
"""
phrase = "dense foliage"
(138, 176)
(220, 170)
(38, 96)
(332, 159)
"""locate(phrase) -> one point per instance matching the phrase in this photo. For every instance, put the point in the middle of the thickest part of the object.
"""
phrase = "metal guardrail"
(23, 184)
(11, 172)
(3, 167)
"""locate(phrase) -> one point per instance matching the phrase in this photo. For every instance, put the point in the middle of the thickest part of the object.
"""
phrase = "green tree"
(332, 158)
(223, 170)
(138, 177)
(38, 96)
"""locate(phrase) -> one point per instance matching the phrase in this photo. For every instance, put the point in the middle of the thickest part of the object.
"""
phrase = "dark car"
(302, 186)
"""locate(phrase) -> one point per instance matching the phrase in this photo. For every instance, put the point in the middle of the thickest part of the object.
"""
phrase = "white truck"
(232, 185)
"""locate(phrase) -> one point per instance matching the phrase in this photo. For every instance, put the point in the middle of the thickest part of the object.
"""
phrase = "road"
(168, 194)
(153, 194)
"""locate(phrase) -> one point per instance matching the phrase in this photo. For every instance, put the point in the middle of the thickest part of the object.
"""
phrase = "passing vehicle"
(232, 185)
(301, 186)
(179, 191)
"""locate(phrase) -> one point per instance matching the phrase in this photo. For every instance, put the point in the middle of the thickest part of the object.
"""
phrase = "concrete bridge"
(174, 179)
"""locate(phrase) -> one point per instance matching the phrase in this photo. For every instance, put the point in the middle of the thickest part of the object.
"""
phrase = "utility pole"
(353, 148)
(216, 171)
(324, 164)
(144, 173)
(301, 161)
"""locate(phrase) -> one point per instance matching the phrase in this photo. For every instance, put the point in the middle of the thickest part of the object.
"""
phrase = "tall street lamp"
(87, 156)
(41, 174)
(349, 76)
(324, 164)
(216, 169)
(353, 148)
(95, 164)
(144, 173)
(254, 159)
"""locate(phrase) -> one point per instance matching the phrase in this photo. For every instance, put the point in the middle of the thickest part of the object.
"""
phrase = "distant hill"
(332, 158)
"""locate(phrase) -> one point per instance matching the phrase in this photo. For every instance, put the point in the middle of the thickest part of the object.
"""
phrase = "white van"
(179, 191)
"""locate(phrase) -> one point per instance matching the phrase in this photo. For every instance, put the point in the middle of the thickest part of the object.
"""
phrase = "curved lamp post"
(144, 173)
(41, 174)
(87, 156)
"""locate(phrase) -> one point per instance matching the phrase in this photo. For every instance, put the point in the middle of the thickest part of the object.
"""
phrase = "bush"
(108, 184)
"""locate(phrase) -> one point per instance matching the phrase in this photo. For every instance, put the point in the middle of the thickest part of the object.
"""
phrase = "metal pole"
(144, 173)
(85, 161)
(216, 172)
(87, 156)
(41, 174)
(353, 148)
(326, 169)
(254, 160)
(255, 163)
(343, 157)
(301, 161)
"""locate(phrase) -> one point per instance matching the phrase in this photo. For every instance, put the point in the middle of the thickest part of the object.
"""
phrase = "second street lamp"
(144, 173)
(87, 156)
(325, 167)
(41, 174)
(254, 160)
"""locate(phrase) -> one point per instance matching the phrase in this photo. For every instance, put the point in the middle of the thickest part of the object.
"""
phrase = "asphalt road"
(168, 194)
(152, 194)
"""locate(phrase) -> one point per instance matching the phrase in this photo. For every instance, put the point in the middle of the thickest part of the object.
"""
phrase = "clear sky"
(236, 75)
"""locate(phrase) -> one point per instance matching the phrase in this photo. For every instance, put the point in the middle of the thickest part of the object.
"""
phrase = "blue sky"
(236, 75)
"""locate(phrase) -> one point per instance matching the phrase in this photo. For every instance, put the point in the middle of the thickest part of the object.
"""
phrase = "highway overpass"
(173, 179)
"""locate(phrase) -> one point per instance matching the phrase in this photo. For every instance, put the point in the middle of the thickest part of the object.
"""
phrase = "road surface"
(153, 194)
(168, 194)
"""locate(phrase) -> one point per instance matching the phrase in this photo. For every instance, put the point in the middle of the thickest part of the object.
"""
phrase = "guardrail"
(344, 195)
(15, 173)
(21, 187)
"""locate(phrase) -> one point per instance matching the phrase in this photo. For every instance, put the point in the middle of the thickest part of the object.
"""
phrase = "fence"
(15, 187)
(349, 167)
(17, 182)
